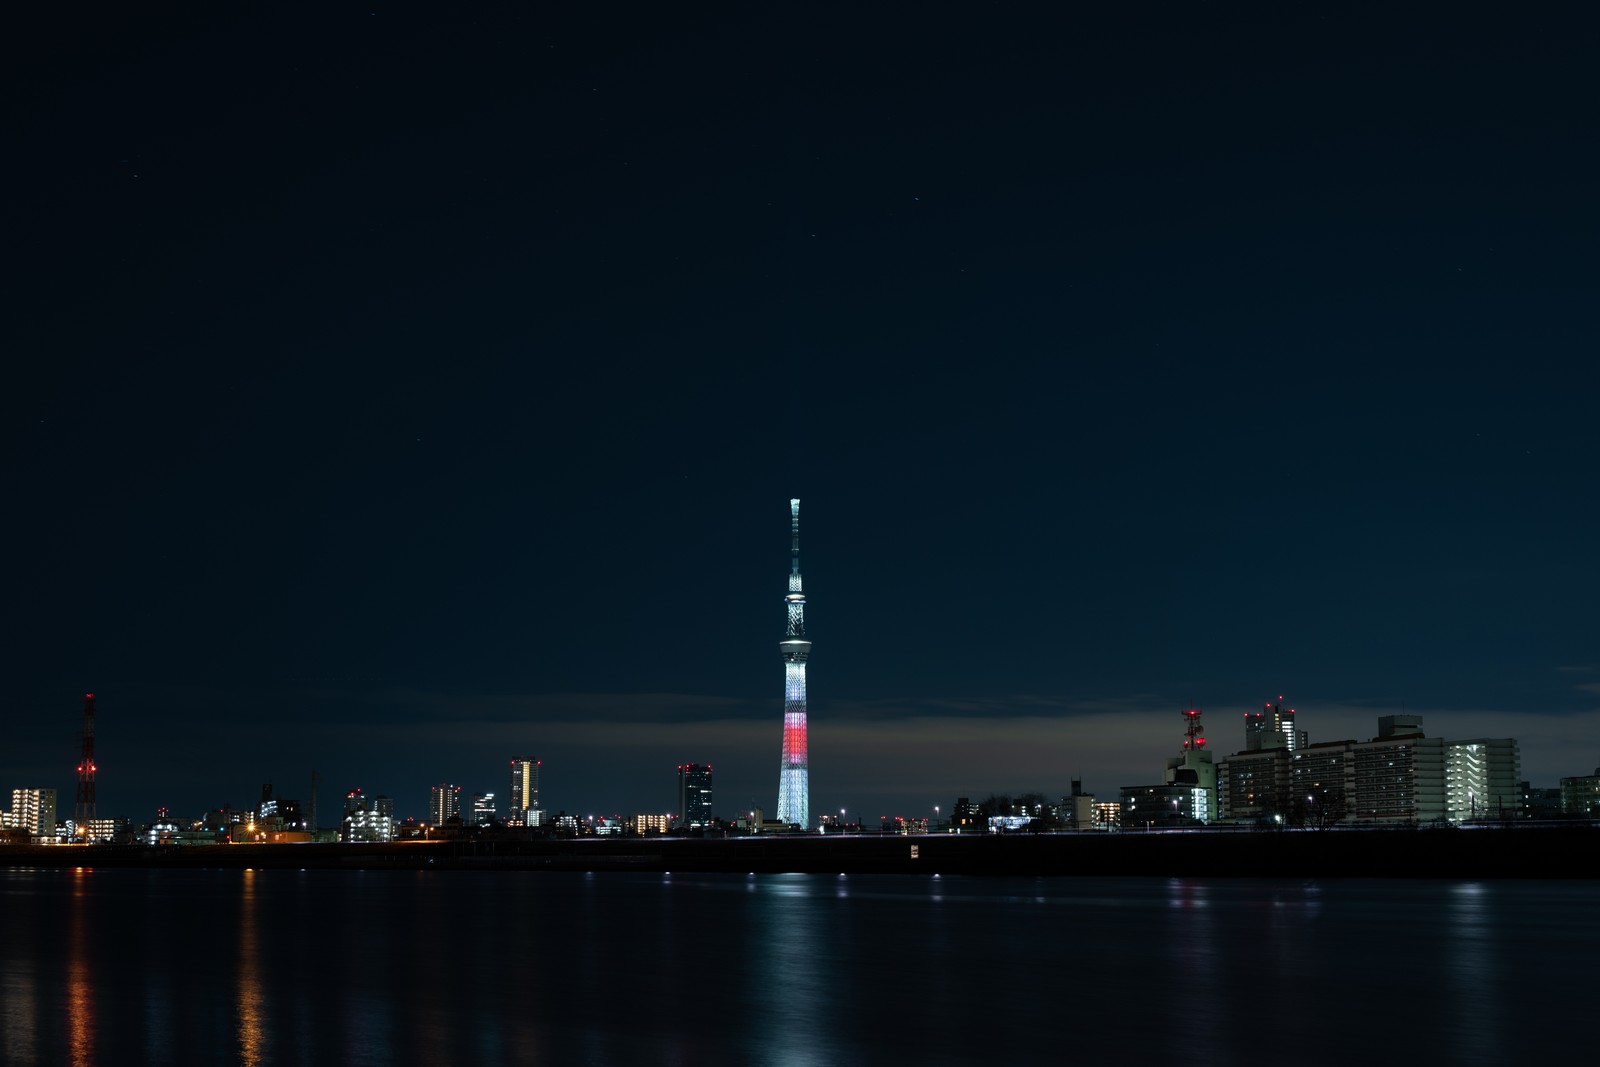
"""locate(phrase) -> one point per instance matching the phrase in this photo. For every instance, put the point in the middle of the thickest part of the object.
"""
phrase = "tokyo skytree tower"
(794, 801)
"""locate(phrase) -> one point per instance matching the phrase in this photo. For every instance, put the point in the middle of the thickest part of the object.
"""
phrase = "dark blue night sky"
(394, 391)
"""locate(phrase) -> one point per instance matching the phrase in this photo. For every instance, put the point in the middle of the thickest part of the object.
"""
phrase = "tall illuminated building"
(34, 810)
(524, 795)
(444, 804)
(694, 795)
(794, 785)
(1282, 722)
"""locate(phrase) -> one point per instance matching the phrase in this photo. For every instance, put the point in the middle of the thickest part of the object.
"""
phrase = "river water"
(450, 967)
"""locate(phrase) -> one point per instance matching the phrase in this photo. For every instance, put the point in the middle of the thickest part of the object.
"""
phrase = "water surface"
(375, 967)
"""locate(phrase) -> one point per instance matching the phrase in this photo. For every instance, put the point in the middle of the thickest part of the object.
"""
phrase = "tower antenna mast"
(84, 814)
(794, 801)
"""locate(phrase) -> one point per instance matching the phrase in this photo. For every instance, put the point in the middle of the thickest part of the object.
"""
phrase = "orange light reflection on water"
(80, 978)
(251, 1044)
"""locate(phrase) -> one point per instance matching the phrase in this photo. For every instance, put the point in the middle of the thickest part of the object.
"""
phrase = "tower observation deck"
(794, 800)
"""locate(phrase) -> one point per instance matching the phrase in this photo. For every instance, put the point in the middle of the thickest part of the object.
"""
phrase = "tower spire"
(794, 772)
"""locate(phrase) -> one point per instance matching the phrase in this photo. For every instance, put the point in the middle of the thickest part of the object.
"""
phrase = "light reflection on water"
(270, 967)
(1478, 1026)
(80, 977)
(251, 1042)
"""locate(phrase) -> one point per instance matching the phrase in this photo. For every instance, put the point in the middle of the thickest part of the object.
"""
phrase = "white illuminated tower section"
(794, 800)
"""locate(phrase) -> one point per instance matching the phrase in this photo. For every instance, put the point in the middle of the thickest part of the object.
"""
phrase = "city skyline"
(526, 777)
(412, 395)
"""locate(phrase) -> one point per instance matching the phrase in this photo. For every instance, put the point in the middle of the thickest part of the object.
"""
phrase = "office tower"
(1255, 729)
(794, 801)
(1281, 721)
(524, 795)
(85, 813)
(445, 804)
(694, 795)
(34, 810)
(483, 809)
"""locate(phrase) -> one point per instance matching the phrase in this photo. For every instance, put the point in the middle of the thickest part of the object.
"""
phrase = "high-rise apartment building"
(34, 810)
(1253, 785)
(1279, 720)
(483, 809)
(694, 796)
(1404, 776)
(523, 799)
(1483, 779)
(1322, 781)
(444, 804)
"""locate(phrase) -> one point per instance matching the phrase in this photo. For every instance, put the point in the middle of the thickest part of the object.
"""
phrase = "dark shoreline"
(1487, 852)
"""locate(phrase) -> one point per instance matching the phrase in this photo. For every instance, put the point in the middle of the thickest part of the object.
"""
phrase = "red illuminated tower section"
(84, 814)
(1194, 772)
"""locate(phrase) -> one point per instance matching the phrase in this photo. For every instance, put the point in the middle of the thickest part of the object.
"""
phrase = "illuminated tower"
(794, 801)
(694, 795)
(1283, 722)
(1194, 774)
(444, 804)
(85, 813)
(522, 809)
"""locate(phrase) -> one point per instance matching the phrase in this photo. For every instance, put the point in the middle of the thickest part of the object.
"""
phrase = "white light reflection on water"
(1477, 1024)
(788, 951)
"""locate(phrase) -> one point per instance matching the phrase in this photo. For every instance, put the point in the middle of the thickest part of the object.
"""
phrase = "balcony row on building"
(1400, 776)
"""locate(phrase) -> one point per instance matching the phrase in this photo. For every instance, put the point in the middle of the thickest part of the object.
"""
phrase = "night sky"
(393, 391)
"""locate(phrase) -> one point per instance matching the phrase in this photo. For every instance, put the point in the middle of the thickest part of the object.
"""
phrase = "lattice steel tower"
(84, 813)
(794, 785)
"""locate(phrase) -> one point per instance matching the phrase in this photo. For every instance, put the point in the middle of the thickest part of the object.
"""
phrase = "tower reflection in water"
(80, 973)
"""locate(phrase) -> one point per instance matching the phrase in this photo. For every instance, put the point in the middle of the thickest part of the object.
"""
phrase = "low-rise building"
(367, 819)
(1580, 795)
